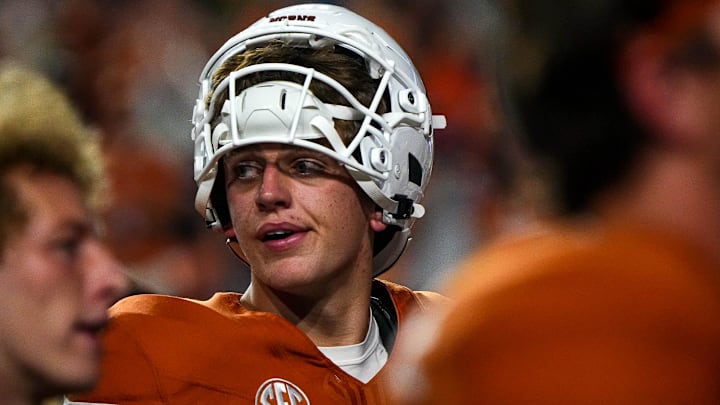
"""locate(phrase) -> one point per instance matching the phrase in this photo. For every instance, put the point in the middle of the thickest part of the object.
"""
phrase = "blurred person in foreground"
(617, 299)
(313, 139)
(57, 279)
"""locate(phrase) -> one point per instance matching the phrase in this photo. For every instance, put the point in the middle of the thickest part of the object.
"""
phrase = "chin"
(78, 374)
(67, 384)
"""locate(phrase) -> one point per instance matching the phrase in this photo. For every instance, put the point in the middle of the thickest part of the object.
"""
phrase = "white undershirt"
(362, 360)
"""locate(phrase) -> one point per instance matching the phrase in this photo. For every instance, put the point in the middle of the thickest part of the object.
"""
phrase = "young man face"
(56, 283)
(300, 219)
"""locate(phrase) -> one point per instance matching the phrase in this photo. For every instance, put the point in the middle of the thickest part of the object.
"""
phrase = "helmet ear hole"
(415, 170)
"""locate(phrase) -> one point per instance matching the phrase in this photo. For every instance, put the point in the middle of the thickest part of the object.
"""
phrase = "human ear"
(376, 222)
(229, 232)
(663, 98)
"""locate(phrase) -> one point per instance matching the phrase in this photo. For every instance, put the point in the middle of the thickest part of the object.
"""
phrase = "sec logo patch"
(277, 391)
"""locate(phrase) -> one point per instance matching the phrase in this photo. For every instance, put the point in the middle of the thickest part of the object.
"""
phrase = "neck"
(10, 395)
(14, 389)
(9, 400)
(339, 316)
(674, 193)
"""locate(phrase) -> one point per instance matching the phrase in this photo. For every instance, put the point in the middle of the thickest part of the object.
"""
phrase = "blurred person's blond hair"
(40, 131)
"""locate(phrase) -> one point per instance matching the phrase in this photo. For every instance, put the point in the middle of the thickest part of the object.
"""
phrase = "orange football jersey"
(170, 350)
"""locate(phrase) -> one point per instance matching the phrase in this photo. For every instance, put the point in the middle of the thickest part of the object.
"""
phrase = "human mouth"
(90, 330)
(280, 236)
(277, 235)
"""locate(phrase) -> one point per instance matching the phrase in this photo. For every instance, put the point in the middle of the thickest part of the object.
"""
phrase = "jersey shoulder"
(406, 300)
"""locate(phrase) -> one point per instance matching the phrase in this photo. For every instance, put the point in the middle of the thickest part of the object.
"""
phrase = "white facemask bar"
(341, 152)
(211, 136)
(325, 126)
(357, 40)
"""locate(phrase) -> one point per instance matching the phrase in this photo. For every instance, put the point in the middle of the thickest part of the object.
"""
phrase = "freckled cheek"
(239, 214)
(344, 211)
(240, 210)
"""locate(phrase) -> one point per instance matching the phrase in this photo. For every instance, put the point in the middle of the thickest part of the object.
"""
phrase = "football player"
(57, 279)
(617, 300)
(313, 146)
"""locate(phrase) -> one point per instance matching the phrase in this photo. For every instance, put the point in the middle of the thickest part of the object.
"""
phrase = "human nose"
(273, 192)
(105, 281)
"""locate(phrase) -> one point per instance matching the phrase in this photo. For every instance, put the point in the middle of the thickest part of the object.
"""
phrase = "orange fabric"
(169, 350)
(617, 314)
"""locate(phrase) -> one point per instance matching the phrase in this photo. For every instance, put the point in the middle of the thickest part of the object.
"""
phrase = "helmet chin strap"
(396, 210)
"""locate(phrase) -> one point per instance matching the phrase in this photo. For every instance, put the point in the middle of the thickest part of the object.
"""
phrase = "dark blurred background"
(132, 67)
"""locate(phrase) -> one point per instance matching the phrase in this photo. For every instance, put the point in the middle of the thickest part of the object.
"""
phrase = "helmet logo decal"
(277, 391)
(292, 18)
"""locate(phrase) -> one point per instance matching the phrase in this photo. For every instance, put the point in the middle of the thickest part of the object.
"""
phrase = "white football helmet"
(391, 155)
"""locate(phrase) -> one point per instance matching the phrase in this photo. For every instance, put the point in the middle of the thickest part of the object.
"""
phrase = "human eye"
(246, 170)
(68, 247)
(308, 167)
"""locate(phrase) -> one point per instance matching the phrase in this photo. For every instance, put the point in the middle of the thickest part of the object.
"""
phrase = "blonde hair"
(41, 130)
